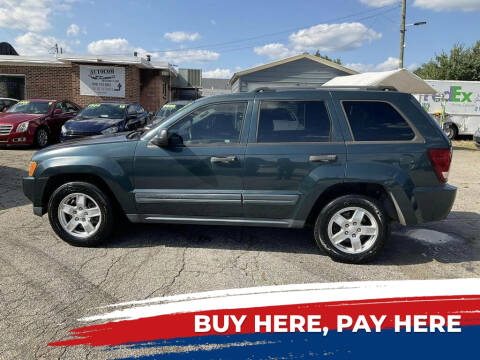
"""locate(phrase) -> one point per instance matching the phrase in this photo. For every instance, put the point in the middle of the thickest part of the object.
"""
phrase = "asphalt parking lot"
(45, 284)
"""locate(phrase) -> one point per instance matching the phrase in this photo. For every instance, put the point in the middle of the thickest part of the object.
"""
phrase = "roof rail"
(342, 87)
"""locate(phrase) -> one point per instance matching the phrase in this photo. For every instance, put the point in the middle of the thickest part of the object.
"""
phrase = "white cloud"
(275, 51)
(390, 64)
(189, 56)
(110, 46)
(122, 46)
(379, 3)
(333, 37)
(436, 5)
(37, 44)
(73, 30)
(181, 36)
(29, 15)
(439, 5)
(218, 74)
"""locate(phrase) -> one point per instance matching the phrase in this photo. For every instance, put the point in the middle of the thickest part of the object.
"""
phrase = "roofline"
(66, 60)
(290, 59)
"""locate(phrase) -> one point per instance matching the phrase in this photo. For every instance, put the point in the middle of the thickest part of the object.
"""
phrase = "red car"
(35, 122)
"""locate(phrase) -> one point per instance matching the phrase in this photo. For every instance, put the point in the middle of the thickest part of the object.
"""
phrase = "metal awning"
(401, 80)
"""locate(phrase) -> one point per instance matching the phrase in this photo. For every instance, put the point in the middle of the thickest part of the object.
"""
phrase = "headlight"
(110, 130)
(64, 129)
(22, 127)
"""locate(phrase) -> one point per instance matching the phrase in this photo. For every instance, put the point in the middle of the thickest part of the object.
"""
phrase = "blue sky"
(222, 37)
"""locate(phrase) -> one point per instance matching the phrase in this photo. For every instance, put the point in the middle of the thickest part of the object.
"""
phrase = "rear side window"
(376, 121)
(293, 121)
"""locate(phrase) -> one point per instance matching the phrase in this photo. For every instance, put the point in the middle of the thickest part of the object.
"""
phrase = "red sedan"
(35, 122)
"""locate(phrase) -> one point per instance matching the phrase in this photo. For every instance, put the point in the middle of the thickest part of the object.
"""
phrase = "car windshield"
(107, 111)
(30, 107)
(167, 110)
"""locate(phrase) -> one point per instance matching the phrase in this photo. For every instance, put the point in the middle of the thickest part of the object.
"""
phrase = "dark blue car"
(105, 118)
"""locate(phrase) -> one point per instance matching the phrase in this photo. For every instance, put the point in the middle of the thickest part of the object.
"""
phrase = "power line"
(226, 44)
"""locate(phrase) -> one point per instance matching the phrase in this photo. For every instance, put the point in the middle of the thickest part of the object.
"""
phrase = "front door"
(295, 151)
(199, 174)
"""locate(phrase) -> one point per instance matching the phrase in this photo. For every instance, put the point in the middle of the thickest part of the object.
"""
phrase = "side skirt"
(280, 223)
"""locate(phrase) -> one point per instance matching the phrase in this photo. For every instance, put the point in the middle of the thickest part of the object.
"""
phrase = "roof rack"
(342, 87)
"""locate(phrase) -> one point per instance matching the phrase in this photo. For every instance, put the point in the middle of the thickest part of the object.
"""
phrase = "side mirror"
(57, 112)
(161, 139)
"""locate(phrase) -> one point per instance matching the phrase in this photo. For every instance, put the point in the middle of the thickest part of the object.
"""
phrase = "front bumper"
(30, 189)
(16, 139)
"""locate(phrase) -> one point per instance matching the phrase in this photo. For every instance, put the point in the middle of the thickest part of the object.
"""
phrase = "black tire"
(451, 131)
(42, 137)
(375, 245)
(104, 203)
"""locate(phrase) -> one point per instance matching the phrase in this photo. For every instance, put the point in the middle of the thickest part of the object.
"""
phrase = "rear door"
(295, 152)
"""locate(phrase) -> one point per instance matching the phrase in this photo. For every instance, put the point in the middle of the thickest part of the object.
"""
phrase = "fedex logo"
(454, 95)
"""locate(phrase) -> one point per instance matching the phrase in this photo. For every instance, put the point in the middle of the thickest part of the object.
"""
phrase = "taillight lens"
(441, 160)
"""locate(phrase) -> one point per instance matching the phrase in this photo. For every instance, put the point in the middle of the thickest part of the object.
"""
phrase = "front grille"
(80, 133)
(5, 129)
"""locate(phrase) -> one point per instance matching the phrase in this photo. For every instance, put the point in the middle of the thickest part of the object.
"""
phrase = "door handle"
(225, 159)
(322, 158)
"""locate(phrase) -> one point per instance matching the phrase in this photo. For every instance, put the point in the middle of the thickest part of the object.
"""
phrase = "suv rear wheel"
(80, 214)
(352, 229)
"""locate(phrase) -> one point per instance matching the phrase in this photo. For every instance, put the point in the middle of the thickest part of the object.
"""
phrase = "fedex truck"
(456, 105)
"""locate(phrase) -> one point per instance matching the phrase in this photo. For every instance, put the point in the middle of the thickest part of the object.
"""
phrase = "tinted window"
(216, 123)
(376, 121)
(70, 107)
(293, 121)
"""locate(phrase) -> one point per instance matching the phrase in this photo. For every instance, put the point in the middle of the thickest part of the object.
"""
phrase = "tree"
(462, 63)
(326, 57)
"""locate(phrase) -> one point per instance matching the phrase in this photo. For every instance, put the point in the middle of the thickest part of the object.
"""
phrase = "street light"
(403, 30)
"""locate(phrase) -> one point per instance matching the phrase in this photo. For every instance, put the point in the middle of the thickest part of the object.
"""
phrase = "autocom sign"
(102, 81)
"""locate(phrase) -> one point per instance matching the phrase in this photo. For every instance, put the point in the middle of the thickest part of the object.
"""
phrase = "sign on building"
(102, 81)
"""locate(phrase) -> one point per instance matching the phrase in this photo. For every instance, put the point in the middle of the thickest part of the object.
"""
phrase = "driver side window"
(211, 124)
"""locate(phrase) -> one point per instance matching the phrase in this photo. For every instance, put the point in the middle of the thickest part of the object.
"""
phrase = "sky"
(223, 36)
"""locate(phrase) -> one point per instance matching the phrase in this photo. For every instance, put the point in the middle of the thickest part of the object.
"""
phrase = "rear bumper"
(434, 203)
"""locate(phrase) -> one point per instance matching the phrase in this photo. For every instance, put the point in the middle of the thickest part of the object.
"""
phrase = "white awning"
(401, 79)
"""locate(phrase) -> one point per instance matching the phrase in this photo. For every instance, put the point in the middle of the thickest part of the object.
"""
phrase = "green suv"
(347, 162)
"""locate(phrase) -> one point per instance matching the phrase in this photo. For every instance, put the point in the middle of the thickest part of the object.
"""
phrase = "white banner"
(102, 81)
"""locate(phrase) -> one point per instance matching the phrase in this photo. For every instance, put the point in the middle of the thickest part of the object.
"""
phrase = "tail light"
(441, 160)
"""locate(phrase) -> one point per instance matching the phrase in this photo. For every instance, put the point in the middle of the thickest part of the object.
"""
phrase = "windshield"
(167, 110)
(30, 107)
(107, 111)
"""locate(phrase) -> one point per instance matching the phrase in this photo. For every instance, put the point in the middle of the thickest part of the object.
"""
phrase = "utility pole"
(402, 33)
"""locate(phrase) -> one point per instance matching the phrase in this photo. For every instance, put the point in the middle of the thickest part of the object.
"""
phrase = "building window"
(12, 86)
(164, 89)
(376, 121)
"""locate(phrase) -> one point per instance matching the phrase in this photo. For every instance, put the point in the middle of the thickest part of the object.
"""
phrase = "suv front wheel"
(352, 229)
(80, 214)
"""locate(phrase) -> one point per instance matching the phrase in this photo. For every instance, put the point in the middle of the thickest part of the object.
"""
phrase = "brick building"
(86, 78)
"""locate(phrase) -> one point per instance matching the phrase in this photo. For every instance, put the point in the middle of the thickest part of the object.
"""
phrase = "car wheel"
(451, 131)
(81, 214)
(41, 137)
(352, 229)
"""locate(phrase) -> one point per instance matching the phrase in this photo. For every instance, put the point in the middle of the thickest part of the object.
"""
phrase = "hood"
(93, 140)
(16, 118)
(93, 125)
